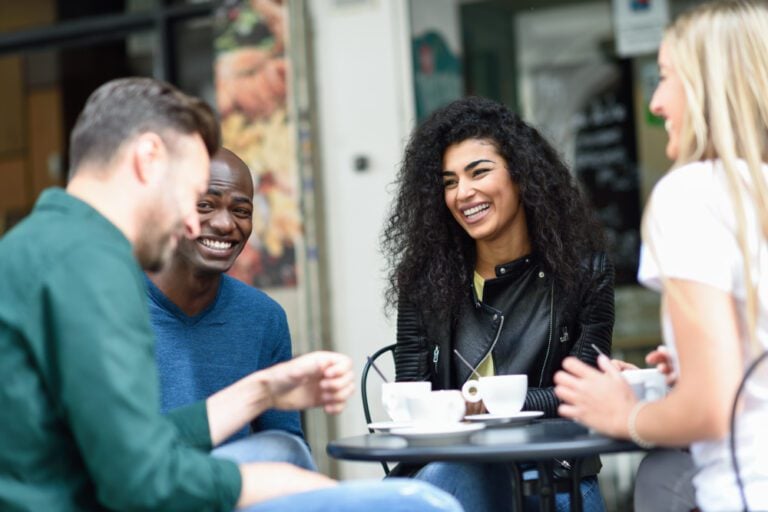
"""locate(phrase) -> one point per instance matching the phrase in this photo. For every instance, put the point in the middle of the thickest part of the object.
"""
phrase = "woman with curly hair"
(493, 254)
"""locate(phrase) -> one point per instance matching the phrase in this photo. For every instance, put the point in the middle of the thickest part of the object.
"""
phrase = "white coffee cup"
(501, 394)
(436, 407)
(394, 395)
(647, 383)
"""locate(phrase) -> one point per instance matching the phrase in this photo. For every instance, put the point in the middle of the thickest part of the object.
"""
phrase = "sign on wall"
(639, 25)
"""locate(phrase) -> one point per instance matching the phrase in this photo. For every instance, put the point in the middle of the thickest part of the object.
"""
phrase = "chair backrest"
(364, 388)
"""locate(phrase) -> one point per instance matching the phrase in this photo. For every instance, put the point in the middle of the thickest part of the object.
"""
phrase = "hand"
(312, 380)
(622, 365)
(662, 359)
(598, 398)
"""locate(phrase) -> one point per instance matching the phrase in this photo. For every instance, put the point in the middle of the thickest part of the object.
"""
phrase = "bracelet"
(632, 427)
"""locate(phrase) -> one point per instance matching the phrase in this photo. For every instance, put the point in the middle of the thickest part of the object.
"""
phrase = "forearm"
(235, 406)
(268, 480)
(411, 352)
(677, 421)
(706, 331)
(542, 399)
(596, 316)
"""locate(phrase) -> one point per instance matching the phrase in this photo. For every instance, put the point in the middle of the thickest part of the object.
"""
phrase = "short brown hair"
(123, 108)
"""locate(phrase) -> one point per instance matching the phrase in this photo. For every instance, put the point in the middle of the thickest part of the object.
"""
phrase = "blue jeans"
(488, 487)
(391, 495)
(268, 446)
(394, 495)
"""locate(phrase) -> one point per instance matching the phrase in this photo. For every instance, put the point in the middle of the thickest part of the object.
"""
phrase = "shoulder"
(596, 266)
(688, 202)
(689, 184)
(597, 262)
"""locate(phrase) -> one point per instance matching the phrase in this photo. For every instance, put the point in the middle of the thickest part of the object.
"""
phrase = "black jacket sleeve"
(412, 350)
(595, 316)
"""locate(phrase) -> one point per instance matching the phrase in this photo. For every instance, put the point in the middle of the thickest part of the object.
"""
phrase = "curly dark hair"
(429, 255)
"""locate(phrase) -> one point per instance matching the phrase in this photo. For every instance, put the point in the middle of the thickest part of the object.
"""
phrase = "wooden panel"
(45, 138)
(26, 13)
(13, 188)
(11, 105)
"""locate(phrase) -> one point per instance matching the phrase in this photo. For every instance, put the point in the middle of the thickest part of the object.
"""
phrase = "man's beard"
(154, 245)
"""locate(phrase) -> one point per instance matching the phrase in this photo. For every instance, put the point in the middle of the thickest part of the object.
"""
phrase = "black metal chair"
(364, 389)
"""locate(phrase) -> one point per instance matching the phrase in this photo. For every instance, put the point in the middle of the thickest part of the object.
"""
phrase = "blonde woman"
(706, 249)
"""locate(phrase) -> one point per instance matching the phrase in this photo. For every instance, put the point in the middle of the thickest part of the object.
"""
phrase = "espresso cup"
(394, 395)
(436, 407)
(648, 383)
(501, 394)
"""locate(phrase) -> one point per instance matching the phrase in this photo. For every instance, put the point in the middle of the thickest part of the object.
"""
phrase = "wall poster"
(252, 75)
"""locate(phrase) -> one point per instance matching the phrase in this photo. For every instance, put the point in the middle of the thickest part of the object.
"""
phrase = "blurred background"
(319, 96)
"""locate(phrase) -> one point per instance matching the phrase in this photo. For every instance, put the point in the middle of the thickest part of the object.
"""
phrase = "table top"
(543, 439)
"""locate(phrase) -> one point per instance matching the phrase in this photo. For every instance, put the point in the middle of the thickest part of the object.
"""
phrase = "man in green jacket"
(80, 427)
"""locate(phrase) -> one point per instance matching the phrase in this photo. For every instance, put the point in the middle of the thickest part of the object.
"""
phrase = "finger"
(565, 379)
(604, 363)
(343, 389)
(340, 397)
(334, 364)
(567, 395)
(340, 394)
(338, 369)
(579, 368)
(623, 365)
(655, 357)
(568, 411)
(659, 355)
(336, 383)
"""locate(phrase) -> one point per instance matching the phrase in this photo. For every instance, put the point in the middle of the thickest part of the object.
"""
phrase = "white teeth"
(476, 209)
(215, 244)
(668, 125)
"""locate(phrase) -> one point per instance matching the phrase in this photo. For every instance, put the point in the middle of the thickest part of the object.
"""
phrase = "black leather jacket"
(524, 319)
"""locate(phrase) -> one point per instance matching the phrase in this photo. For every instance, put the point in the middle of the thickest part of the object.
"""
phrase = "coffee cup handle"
(471, 391)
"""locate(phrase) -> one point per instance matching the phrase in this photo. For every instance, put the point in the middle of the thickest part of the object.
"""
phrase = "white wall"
(365, 104)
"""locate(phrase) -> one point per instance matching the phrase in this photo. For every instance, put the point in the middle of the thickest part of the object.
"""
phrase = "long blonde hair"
(720, 52)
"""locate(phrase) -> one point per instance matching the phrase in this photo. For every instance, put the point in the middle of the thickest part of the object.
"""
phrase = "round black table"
(545, 442)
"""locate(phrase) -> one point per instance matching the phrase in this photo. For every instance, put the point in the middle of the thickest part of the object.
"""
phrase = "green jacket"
(80, 427)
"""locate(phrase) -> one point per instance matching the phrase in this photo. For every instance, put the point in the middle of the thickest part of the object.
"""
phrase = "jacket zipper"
(493, 345)
(551, 321)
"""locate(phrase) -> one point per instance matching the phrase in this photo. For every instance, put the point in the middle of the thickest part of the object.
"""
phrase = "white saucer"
(498, 419)
(386, 426)
(439, 434)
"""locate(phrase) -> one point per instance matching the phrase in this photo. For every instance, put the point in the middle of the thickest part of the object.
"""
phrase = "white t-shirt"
(693, 232)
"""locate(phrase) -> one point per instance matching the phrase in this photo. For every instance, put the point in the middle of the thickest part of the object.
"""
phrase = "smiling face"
(669, 101)
(481, 195)
(225, 211)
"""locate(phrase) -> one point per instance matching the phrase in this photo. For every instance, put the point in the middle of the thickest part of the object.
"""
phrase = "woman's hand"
(622, 365)
(662, 360)
(598, 398)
